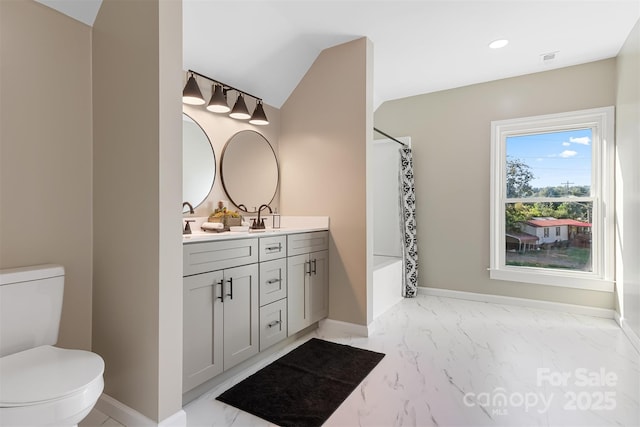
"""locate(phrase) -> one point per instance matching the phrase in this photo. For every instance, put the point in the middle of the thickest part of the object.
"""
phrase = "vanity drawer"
(273, 323)
(273, 247)
(273, 281)
(303, 243)
(210, 256)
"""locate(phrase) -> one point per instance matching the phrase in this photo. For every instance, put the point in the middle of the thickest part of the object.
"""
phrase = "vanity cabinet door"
(298, 268)
(202, 328)
(319, 286)
(307, 289)
(241, 311)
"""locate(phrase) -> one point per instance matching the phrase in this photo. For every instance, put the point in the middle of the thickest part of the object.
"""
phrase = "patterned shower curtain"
(408, 224)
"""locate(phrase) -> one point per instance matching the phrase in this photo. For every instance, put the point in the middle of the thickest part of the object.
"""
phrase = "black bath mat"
(304, 387)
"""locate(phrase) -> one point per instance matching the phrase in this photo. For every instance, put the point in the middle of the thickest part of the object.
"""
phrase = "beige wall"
(169, 352)
(137, 322)
(325, 126)
(628, 177)
(220, 128)
(450, 133)
(45, 153)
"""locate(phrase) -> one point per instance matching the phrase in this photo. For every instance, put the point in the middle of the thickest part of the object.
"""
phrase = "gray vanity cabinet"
(319, 285)
(241, 296)
(221, 309)
(273, 290)
(202, 326)
(308, 279)
(241, 339)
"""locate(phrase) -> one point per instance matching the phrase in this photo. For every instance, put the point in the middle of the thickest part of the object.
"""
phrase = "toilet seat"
(49, 386)
(46, 373)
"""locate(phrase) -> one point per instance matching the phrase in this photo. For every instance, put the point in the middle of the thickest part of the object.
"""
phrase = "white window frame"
(601, 121)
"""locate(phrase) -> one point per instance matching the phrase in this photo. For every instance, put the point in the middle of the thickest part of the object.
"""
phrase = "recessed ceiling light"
(497, 44)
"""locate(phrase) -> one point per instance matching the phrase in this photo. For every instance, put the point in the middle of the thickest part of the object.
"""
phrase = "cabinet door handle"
(272, 281)
(221, 283)
(314, 267)
(230, 294)
(274, 323)
(305, 268)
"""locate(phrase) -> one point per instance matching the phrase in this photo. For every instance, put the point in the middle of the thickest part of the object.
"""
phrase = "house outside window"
(553, 171)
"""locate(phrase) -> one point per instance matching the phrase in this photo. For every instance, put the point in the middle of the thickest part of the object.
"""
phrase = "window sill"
(576, 281)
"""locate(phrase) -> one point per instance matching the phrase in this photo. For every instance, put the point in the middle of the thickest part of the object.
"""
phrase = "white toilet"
(41, 385)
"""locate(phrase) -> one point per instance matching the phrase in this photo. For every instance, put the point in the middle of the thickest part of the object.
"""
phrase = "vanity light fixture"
(240, 110)
(259, 117)
(191, 93)
(218, 102)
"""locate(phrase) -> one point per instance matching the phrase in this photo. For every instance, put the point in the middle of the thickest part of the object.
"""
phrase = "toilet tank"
(30, 307)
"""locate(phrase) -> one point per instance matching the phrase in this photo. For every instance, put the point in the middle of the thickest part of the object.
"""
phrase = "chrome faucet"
(259, 224)
(191, 211)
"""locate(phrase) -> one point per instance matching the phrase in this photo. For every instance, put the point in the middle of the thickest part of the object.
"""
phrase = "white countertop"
(290, 225)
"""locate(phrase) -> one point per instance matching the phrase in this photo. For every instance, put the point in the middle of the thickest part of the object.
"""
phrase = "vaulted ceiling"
(420, 46)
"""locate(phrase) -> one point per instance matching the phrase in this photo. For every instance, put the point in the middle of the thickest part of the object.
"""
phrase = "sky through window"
(555, 158)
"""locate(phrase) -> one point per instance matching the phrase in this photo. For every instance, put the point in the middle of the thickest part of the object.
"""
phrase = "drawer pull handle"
(305, 268)
(314, 268)
(274, 248)
(272, 281)
(274, 323)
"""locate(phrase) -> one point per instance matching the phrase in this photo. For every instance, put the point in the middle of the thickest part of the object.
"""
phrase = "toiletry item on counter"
(276, 218)
(212, 226)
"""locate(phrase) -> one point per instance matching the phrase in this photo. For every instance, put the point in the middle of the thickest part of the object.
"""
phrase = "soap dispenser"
(276, 218)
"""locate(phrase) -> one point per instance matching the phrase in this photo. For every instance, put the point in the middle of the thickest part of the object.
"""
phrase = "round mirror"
(198, 163)
(249, 170)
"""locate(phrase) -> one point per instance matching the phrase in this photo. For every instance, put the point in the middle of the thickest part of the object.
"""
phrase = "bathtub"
(387, 283)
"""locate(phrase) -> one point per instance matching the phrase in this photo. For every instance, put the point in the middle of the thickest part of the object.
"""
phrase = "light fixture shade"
(240, 110)
(218, 102)
(191, 93)
(259, 117)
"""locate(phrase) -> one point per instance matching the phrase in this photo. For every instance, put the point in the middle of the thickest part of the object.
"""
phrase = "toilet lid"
(46, 373)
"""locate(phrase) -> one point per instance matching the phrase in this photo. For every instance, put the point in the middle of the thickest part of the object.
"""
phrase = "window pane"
(529, 242)
(553, 164)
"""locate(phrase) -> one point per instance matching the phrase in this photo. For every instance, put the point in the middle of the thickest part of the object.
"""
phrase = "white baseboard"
(130, 417)
(617, 318)
(630, 333)
(179, 419)
(332, 327)
(522, 302)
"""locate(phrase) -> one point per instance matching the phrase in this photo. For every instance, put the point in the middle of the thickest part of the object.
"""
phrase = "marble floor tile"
(98, 419)
(454, 362)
